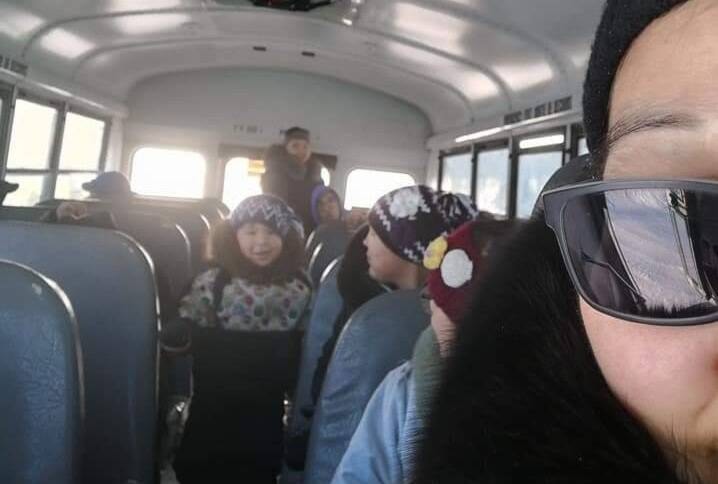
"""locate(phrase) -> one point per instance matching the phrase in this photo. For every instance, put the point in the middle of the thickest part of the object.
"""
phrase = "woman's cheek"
(667, 376)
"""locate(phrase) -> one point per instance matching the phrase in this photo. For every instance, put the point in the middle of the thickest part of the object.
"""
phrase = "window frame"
(461, 150)
(577, 132)
(502, 143)
(53, 171)
(516, 153)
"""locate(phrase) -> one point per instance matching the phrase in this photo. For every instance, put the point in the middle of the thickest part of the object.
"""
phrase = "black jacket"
(293, 183)
(522, 398)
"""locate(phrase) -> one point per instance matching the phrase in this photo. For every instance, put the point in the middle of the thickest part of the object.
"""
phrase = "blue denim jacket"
(377, 452)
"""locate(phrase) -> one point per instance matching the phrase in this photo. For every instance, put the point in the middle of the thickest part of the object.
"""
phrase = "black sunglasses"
(643, 251)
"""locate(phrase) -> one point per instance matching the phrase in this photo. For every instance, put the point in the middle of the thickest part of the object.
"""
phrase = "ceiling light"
(554, 139)
(66, 44)
(479, 134)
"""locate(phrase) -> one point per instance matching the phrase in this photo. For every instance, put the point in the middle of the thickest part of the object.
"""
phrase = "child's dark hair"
(224, 251)
(523, 398)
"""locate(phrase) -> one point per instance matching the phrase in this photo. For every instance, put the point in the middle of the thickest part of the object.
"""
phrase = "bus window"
(242, 178)
(539, 158)
(534, 171)
(30, 190)
(81, 143)
(364, 187)
(492, 181)
(168, 173)
(457, 173)
(33, 130)
(326, 176)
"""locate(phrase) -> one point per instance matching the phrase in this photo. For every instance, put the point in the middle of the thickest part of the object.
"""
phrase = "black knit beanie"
(622, 22)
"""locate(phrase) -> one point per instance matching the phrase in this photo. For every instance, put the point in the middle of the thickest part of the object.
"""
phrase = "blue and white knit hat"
(269, 210)
(408, 219)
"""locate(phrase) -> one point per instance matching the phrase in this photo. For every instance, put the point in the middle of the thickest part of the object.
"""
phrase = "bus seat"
(166, 243)
(193, 223)
(109, 281)
(41, 400)
(27, 214)
(190, 220)
(379, 336)
(326, 232)
(326, 308)
(330, 244)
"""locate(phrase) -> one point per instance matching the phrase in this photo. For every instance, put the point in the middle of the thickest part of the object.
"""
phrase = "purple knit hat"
(318, 192)
(408, 219)
(269, 210)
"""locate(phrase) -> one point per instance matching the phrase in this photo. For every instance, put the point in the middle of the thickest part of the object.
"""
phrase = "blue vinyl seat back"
(331, 242)
(195, 226)
(27, 214)
(166, 243)
(323, 233)
(189, 218)
(326, 307)
(379, 336)
(109, 281)
(40, 375)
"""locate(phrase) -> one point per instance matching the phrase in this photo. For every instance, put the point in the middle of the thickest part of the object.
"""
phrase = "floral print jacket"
(246, 306)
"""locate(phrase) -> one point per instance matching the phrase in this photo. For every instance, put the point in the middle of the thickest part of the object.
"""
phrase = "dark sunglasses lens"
(650, 253)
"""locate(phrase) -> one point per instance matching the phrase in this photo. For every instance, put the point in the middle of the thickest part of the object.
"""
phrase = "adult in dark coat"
(292, 173)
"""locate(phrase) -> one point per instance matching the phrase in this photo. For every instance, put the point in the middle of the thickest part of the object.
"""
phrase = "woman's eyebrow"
(645, 120)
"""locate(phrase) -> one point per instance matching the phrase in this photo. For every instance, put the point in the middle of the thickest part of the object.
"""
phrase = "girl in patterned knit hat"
(244, 315)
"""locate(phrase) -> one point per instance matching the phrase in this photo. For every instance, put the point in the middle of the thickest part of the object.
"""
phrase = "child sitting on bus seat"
(355, 287)
(401, 225)
(244, 319)
(326, 208)
(326, 205)
(395, 416)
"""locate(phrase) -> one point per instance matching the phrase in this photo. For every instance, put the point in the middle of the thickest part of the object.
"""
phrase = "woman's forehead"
(671, 62)
(666, 86)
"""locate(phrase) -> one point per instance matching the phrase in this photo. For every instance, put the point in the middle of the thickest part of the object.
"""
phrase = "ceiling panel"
(480, 57)
(120, 70)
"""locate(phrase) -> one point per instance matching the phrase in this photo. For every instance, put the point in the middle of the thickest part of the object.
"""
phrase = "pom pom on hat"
(456, 262)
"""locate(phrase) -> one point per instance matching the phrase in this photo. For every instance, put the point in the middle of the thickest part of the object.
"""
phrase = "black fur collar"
(523, 399)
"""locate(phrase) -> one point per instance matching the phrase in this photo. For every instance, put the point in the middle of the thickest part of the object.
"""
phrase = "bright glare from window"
(326, 176)
(28, 193)
(365, 187)
(69, 185)
(81, 143)
(582, 147)
(33, 129)
(242, 178)
(168, 173)
(457, 174)
(492, 181)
